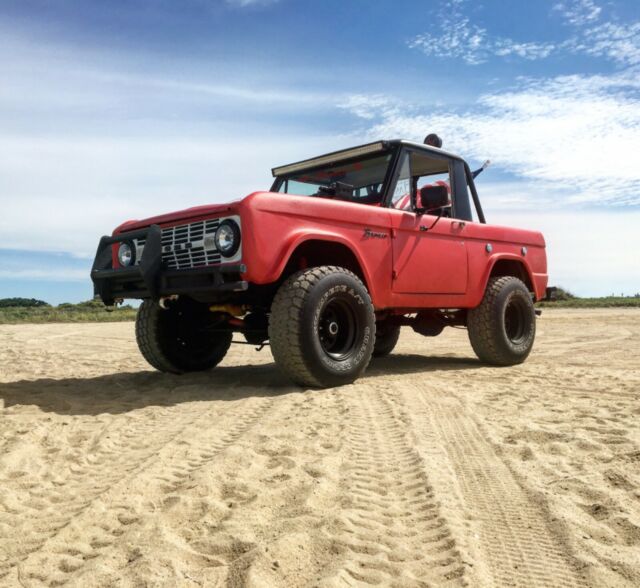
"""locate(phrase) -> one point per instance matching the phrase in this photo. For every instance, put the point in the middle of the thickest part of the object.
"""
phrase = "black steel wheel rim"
(515, 320)
(338, 328)
(190, 339)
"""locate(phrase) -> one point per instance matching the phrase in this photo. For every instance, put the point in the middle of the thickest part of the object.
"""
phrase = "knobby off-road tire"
(176, 340)
(387, 336)
(322, 327)
(502, 329)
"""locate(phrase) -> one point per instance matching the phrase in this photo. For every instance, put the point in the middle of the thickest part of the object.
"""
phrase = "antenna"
(484, 166)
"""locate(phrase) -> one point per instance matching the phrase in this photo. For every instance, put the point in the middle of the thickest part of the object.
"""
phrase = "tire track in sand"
(518, 547)
(102, 521)
(127, 446)
(390, 522)
(72, 485)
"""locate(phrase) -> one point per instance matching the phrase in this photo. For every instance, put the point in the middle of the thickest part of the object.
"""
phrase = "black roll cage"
(459, 173)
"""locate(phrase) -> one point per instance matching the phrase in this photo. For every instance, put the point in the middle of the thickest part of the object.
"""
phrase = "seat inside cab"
(421, 174)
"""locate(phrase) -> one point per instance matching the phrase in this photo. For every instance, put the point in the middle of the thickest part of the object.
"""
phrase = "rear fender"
(507, 264)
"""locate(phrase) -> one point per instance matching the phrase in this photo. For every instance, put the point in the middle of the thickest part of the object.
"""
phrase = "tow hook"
(163, 301)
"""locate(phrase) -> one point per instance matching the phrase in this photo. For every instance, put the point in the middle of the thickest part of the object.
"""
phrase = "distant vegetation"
(21, 303)
(30, 310)
(564, 299)
(25, 310)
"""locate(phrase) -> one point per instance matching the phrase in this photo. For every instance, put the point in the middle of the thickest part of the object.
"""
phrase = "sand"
(431, 470)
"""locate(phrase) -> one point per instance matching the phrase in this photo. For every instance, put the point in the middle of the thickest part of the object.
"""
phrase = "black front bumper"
(150, 279)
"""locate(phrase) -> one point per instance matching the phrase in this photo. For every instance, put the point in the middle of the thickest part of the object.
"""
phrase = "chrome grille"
(187, 246)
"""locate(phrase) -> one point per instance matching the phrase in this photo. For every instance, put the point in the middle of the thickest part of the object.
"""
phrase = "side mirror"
(431, 198)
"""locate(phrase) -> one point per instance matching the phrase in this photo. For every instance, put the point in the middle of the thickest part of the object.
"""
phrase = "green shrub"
(21, 303)
(562, 294)
(604, 302)
(89, 311)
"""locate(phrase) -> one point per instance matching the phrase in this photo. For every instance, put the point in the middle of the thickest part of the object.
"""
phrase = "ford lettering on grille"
(187, 246)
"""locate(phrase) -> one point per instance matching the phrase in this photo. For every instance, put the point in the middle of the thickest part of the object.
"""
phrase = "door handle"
(461, 224)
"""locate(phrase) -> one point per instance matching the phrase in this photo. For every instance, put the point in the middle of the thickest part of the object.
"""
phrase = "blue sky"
(123, 109)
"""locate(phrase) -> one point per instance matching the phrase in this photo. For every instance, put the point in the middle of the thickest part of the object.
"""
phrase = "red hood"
(195, 213)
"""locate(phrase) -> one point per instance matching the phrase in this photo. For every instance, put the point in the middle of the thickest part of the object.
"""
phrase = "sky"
(123, 109)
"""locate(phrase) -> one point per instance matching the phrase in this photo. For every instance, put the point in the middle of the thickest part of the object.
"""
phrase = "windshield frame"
(391, 149)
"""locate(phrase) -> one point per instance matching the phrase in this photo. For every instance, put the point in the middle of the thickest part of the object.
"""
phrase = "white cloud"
(471, 43)
(93, 89)
(460, 38)
(369, 106)
(531, 51)
(590, 253)
(578, 12)
(91, 140)
(63, 193)
(615, 41)
(577, 136)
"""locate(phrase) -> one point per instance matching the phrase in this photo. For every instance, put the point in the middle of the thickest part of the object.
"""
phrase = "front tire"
(503, 328)
(387, 335)
(177, 340)
(322, 327)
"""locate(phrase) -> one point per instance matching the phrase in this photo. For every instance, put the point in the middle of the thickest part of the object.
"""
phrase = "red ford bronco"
(328, 265)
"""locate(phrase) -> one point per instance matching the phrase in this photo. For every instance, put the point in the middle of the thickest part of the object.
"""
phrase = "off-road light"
(126, 254)
(228, 238)
(330, 158)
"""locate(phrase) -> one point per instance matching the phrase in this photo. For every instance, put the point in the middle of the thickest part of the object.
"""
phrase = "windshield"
(360, 180)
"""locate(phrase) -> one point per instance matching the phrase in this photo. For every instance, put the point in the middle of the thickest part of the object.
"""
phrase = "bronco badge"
(369, 234)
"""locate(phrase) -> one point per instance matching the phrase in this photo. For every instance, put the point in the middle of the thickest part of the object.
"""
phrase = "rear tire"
(176, 340)
(503, 328)
(322, 327)
(387, 336)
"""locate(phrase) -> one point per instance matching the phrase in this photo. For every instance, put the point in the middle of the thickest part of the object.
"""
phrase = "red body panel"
(404, 267)
(275, 224)
(181, 216)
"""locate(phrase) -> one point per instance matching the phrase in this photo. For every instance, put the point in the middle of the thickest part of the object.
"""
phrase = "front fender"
(297, 239)
(274, 227)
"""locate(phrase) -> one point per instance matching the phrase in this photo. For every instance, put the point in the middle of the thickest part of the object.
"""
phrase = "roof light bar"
(330, 158)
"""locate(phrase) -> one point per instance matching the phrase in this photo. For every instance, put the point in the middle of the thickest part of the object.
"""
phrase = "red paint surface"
(446, 267)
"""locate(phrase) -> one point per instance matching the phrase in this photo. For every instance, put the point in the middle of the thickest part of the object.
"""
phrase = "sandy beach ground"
(432, 470)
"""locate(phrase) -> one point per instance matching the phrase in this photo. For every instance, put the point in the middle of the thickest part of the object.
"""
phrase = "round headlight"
(125, 254)
(228, 238)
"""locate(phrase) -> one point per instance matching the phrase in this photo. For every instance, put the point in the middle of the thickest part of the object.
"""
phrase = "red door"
(428, 261)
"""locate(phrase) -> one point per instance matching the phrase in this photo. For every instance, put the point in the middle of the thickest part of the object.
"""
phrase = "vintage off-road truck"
(327, 265)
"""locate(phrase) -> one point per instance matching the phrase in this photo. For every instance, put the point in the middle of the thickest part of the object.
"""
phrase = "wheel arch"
(508, 265)
(314, 251)
(512, 267)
